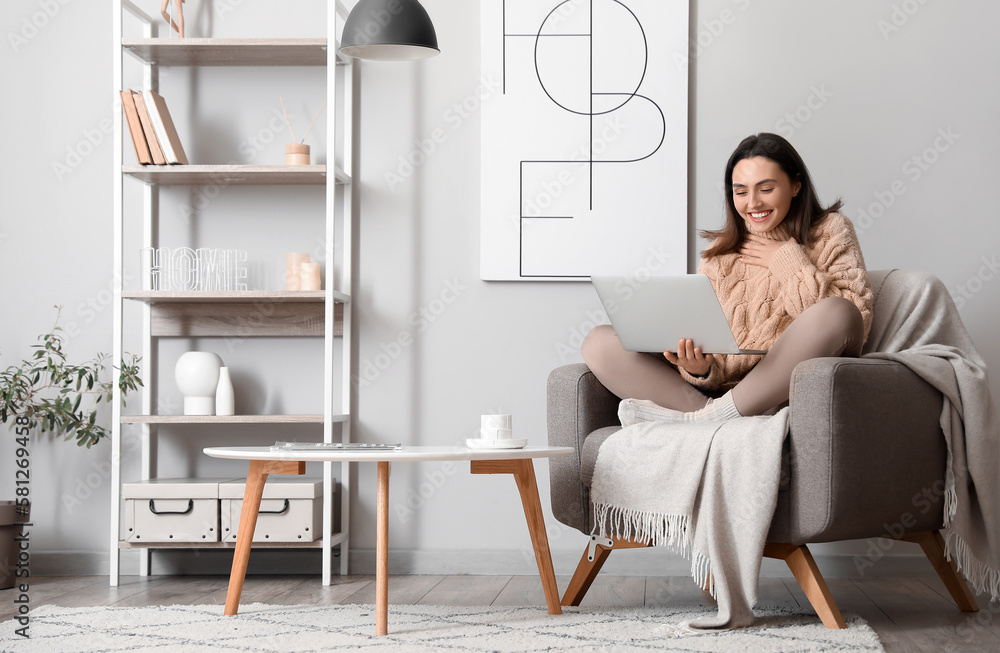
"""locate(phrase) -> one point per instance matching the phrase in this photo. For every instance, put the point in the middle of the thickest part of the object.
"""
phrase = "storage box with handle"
(291, 510)
(172, 510)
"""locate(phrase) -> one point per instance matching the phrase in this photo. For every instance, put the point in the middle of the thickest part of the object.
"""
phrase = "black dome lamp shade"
(389, 30)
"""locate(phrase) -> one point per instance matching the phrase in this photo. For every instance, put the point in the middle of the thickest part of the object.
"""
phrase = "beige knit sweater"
(761, 302)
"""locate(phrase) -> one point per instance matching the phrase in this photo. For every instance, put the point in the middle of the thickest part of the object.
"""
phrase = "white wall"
(867, 100)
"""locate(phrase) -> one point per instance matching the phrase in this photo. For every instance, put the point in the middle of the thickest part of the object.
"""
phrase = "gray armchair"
(865, 457)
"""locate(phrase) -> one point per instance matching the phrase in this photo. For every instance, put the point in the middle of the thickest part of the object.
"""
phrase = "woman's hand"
(758, 251)
(690, 358)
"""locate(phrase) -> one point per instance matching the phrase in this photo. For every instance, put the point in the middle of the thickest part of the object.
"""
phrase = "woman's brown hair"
(804, 213)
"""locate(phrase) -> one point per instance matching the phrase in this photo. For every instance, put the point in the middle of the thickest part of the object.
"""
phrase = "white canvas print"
(584, 149)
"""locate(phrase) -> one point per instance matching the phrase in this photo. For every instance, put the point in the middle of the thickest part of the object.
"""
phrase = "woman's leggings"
(830, 327)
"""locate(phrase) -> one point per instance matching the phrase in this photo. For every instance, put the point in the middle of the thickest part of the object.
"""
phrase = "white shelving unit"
(323, 314)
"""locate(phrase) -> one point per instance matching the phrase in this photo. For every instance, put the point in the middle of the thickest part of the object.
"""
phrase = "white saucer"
(510, 443)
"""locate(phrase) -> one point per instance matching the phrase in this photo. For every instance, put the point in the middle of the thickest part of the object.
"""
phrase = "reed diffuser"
(297, 153)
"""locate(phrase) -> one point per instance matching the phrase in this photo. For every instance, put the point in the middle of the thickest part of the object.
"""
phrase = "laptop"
(653, 314)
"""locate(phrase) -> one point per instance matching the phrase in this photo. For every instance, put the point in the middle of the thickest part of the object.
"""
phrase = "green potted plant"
(48, 391)
(46, 394)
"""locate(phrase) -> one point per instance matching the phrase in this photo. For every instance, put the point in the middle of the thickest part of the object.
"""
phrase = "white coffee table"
(264, 461)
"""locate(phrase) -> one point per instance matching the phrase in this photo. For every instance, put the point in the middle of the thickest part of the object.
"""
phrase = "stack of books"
(153, 133)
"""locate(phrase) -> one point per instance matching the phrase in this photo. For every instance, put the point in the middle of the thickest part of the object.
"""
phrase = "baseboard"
(634, 562)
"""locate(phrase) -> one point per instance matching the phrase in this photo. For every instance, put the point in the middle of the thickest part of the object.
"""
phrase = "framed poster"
(584, 149)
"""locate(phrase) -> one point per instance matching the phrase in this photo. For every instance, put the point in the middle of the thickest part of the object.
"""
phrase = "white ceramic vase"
(197, 376)
(225, 402)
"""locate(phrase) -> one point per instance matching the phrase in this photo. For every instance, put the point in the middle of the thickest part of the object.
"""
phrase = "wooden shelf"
(336, 538)
(228, 419)
(248, 313)
(233, 175)
(234, 297)
(228, 52)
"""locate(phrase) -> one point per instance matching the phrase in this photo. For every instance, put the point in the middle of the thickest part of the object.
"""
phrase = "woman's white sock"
(633, 411)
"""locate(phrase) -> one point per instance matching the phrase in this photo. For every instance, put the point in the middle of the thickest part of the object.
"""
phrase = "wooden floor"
(909, 614)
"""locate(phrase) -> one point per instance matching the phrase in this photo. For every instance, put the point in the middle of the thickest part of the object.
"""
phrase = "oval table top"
(406, 453)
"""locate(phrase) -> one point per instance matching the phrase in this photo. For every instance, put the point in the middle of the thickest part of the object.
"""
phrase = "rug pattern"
(416, 628)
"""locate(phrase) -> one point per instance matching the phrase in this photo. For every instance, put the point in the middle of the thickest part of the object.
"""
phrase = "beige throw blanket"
(706, 490)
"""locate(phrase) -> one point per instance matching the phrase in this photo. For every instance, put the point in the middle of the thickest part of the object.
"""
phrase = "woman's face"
(762, 193)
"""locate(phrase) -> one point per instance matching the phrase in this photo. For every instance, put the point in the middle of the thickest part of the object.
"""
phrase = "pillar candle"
(309, 276)
(293, 263)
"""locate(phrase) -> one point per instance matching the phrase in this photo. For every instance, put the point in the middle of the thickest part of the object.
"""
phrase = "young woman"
(791, 279)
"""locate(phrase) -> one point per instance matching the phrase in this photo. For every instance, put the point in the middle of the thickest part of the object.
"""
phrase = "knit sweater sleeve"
(835, 268)
(715, 375)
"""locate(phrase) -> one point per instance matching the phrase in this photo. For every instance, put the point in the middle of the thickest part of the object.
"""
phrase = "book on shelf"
(166, 134)
(147, 128)
(135, 129)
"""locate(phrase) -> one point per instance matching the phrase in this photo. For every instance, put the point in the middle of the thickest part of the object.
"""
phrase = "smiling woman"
(791, 279)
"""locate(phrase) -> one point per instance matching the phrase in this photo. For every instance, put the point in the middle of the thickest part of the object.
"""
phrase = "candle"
(293, 270)
(309, 276)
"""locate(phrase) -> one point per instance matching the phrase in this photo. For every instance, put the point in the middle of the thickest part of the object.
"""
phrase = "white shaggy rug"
(308, 629)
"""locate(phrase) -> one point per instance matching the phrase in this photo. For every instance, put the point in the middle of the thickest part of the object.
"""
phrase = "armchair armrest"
(577, 405)
(866, 450)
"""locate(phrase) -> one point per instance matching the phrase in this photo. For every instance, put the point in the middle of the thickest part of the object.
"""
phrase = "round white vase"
(225, 402)
(197, 376)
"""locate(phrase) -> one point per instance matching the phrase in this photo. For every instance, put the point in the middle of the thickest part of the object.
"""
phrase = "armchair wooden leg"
(584, 575)
(590, 565)
(933, 546)
(804, 568)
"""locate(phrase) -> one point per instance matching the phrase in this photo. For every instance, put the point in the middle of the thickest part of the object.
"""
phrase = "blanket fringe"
(981, 576)
(655, 529)
(950, 496)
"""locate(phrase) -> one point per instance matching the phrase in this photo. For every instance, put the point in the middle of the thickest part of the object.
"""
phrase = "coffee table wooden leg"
(526, 484)
(524, 474)
(256, 477)
(382, 552)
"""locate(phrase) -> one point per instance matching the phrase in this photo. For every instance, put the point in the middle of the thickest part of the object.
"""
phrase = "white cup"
(495, 427)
